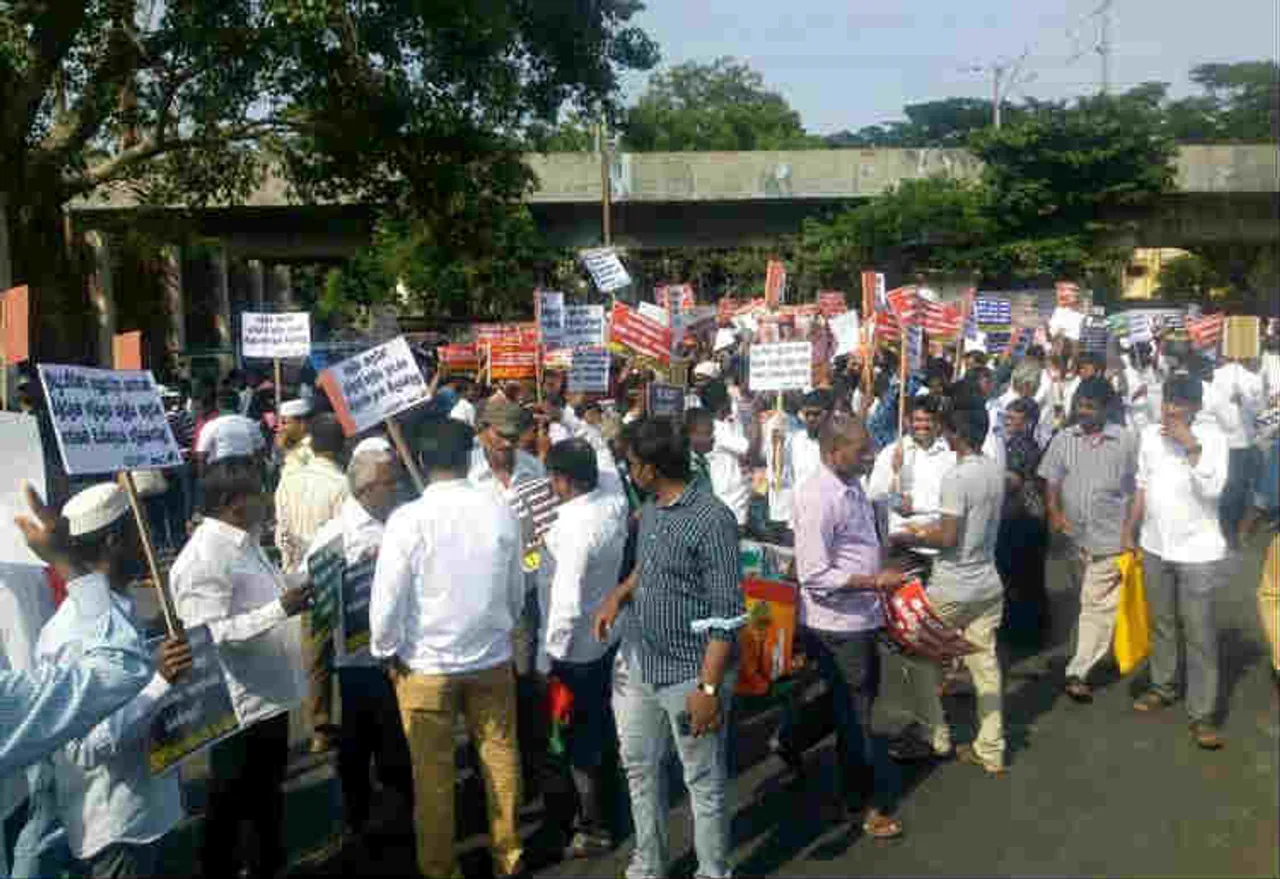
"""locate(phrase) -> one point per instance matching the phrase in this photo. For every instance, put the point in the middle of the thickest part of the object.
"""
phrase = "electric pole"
(1104, 43)
(997, 72)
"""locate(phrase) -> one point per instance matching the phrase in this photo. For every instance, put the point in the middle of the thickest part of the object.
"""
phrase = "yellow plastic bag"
(1133, 629)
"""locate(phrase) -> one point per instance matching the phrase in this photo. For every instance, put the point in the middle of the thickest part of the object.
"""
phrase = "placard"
(1068, 322)
(550, 306)
(775, 284)
(373, 386)
(126, 350)
(605, 268)
(640, 334)
(459, 358)
(273, 336)
(357, 587)
(844, 329)
(15, 314)
(536, 506)
(589, 371)
(21, 458)
(665, 401)
(1242, 338)
(655, 313)
(583, 326)
(197, 711)
(325, 567)
(108, 420)
(513, 362)
(781, 366)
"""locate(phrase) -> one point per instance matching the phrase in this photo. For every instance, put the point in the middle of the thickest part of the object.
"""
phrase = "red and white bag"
(916, 628)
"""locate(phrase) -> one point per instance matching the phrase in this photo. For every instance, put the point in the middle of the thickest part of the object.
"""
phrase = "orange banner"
(126, 350)
(15, 312)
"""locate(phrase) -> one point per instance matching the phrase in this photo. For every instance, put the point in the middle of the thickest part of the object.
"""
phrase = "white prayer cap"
(95, 508)
(295, 408)
(725, 338)
(975, 344)
(707, 369)
(372, 444)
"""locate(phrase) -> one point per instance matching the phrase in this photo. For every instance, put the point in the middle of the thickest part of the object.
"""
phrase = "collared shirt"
(1180, 522)
(299, 456)
(729, 481)
(105, 790)
(689, 570)
(1234, 398)
(361, 540)
(229, 436)
(1095, 474)
(920, 476)
(464, 411)
(837, 535)
(222, 579)
(803, 461)
(307, 497)
(585, 547)
(25, 606)
(449, 587)
(780, 490)
(481, 474)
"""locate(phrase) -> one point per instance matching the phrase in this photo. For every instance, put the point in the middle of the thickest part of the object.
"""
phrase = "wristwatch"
(708, 689)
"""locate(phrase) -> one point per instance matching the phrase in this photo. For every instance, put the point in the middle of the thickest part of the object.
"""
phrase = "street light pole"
(606, 206)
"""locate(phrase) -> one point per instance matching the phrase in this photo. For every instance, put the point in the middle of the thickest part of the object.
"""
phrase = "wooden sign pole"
(172, 624)
(402, 447)
(279, 388)
(4, 357)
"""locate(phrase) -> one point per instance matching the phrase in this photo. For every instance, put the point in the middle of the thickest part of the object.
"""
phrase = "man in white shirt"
(293, 439)
(114, 810)
(801, 455)
(223, 579)
(585, 548)
(230, 435)
(371, 729)
(1182, 468)
(727, 459)
(1234, 399)
(446, 596)
(464, 409)
(912, 468)
(307, 497)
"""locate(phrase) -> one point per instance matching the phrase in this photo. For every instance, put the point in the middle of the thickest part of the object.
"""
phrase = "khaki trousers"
(318, 658)
(428, 706)
(1269, 599)
(979, 620)
(1098, 579)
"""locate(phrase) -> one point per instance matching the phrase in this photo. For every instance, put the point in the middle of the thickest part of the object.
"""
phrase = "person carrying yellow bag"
(1133, 629)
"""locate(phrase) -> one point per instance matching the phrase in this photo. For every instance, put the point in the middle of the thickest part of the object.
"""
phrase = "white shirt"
(1143, 408)
(222, 579)
(449, 587)
(307, 497)
(1181, 510)
(464, 411)
(25, 606)
(584, 547)
(230, 436)
(361, 538)
(1237, 421)
(729, 482)
(780, 490)
(920, 477)
(481, 474)
(802, 458)
(104, 787)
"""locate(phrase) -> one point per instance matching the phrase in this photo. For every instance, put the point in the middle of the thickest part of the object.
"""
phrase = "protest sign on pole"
(775, 284)
(325, 567)
(373, 386)
(605, 268)
(583, 326)
(197, 710)
(21, 462)
(269, 336)
(655, 313)
(550, 306)
(459, 358)
(15, 340)
(844, 329)
(589, 371)
(640, 334)
(536, 506)
(781, 366)
(665, 401)
(353, 619)
(513, 362)
(126, 350)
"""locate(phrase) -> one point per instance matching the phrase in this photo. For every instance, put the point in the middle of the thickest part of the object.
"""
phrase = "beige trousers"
(1098, 580)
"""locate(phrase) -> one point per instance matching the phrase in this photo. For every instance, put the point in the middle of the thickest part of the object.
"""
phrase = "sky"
(845, 65)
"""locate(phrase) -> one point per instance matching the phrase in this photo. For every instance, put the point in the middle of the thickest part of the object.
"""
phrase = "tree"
(423, 107)
(1189, 278)
(723, 105)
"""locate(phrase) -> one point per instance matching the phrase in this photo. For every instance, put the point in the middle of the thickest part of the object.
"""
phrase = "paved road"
(1092, 789)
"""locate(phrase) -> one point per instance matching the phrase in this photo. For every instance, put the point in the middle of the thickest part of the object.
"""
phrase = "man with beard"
(912, 468)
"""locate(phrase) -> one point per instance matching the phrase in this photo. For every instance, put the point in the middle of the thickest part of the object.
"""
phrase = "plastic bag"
(1133, 627)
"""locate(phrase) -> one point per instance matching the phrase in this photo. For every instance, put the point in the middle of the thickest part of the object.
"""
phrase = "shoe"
(878, 825)
(788, 752)
(1151, 701)
(966, 754)
(321, 743)
(584, 846)
(1078, 691)
(1206, 735)
(910, 749)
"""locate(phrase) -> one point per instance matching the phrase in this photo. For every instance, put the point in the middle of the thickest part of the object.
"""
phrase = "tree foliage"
(723, 105)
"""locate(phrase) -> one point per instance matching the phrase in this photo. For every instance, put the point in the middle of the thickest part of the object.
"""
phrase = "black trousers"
(371, 730)
(245, 786)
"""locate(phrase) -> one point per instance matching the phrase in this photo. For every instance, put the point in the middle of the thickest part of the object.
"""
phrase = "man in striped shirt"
(674, 675)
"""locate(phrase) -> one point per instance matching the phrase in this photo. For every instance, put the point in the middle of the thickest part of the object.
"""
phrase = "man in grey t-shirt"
(965, 590)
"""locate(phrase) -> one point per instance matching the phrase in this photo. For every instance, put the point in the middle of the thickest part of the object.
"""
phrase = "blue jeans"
(648, 720)
(41, 848)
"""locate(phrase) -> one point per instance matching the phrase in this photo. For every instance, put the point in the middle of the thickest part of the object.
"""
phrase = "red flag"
(868, 294)
(942, 320)
(1205, 332)
(904, 303)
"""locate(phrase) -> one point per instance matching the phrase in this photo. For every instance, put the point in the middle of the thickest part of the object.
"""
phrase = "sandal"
(1150, 701)
(880, 826)
(1078, 691)
(1206, 736)
(966, 754)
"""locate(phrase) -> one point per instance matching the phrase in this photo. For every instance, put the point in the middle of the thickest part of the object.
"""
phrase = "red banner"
(831, 302)
(646, 337)
(1205, 332)
(513, 362)
(775, 282)
(507, 334)
(126, 350)
(460, 358)
(903, 302)
(942, 320)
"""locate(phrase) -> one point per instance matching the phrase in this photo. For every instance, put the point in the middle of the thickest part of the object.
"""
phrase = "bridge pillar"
(222, 297)
(282, 286)
(175, 341)
(102, 295)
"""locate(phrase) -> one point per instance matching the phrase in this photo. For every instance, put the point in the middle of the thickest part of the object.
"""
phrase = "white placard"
(655, 313)
(108, 420)
(1067, 322)
(781, 366)
(551, 317)
(605, 268)
(21, 459)
(374, 385)
(589, 372)
(275, 335)
(583, 326)
(844, 329)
